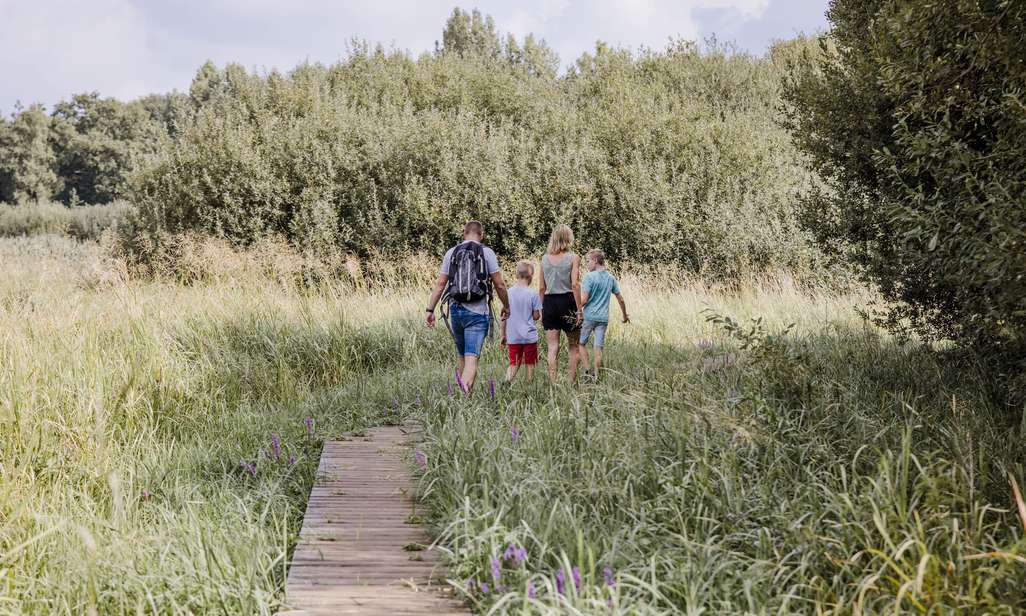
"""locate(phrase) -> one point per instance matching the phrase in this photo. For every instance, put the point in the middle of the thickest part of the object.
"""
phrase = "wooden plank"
(351, 557)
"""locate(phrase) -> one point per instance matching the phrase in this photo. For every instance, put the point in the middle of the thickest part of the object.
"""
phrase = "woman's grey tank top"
(558, 275)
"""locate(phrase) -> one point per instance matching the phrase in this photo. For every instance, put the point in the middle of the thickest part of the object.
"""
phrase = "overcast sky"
(50, 49)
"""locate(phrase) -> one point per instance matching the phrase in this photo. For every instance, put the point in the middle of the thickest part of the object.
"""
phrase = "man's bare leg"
(469, 372)
(511, 372)
(574, 358)
(598, 360)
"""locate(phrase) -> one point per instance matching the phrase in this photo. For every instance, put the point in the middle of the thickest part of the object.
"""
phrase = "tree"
(915, 122)
(27, 159)
(96, 142)
(534, 56)
(470, 34)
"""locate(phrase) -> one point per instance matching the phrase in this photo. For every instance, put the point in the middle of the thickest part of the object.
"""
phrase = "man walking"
(468, 277)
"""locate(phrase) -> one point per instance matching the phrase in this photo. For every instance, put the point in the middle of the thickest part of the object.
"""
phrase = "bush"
(915, 121)
(671, 157)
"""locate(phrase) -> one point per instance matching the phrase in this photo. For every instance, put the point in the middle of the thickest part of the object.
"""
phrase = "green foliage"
(97, 143)
(671, 157)
(84, 151)
(27, 159)
(470, 34)
(915, 121)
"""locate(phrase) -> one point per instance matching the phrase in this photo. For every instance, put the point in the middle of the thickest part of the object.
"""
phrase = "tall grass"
(720, 465)
(128, 408)
(83, 222)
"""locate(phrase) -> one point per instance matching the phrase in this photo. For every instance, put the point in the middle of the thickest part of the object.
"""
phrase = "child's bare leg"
(530, 372)
(511, 372)
(584, 355)
(552, 338)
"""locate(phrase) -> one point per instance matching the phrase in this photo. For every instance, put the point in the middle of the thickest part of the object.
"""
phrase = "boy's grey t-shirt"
(491, 262)
(520, 327)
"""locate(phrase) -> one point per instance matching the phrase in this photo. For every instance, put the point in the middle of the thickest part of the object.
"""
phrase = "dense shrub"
(672, 156)
(915, 121)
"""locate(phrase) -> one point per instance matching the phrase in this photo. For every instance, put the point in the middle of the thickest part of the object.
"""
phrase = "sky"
(51, 49)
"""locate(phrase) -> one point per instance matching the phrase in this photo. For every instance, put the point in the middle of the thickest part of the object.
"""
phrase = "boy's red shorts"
(520, 354)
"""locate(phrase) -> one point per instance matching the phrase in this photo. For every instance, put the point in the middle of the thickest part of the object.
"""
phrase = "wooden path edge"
(360, 549)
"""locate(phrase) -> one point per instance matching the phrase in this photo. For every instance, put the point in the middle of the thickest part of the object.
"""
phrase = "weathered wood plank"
(353, 556)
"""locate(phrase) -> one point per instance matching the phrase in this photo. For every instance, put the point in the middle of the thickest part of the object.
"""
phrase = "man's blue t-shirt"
(599, 285)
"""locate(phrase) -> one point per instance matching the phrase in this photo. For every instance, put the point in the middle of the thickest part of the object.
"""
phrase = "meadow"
(753, 448)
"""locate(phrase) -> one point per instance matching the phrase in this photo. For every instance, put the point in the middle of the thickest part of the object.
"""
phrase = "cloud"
(128, 48)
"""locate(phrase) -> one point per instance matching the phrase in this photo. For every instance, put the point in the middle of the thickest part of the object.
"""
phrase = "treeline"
(664, 157)
(84, 151)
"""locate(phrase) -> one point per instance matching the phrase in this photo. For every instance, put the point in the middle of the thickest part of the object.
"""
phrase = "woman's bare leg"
(552, 338)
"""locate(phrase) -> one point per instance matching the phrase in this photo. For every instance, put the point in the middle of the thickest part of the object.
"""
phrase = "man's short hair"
(525, 269)
(600, 257)
(473, 227)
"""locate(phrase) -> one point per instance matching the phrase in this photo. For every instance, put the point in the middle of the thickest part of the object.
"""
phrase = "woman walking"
(560, 291)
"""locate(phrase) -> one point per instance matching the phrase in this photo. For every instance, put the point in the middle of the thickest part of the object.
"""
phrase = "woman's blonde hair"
(561, 240)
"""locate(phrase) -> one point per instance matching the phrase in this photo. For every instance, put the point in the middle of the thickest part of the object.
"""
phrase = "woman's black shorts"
(559, 311)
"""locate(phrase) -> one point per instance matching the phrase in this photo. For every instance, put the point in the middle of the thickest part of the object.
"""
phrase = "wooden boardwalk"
(360, 550)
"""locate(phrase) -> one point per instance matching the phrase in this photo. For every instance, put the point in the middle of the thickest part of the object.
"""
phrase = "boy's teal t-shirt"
(599, 286)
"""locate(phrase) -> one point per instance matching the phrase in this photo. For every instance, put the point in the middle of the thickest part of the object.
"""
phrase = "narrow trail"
(357, 551)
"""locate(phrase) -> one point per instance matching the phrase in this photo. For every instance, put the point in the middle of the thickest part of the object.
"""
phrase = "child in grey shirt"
(519, 331)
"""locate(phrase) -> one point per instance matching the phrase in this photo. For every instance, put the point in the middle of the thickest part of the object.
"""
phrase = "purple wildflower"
(514, 553)
(292, 460)
(491, 388)
(704, 344)
(421, 459)
(610, 579)
(514, 433)
(496, 569)
(146, 494)
(249, 467)
(561, 582)
(275, 446)
(484, 587)
(576, 573)
(531, 591)
(395, 404)
(309, 423)
(471, 583)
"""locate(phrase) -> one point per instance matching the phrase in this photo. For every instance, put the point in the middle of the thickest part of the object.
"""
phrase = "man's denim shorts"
(597, 328)
(469, 329)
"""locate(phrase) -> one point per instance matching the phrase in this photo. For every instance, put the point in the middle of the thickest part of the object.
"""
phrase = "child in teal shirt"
(597, 287)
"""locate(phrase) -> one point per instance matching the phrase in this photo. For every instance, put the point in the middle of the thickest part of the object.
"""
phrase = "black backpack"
(469, 280)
